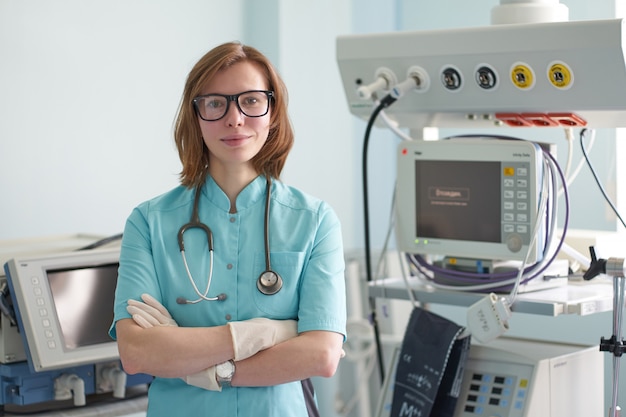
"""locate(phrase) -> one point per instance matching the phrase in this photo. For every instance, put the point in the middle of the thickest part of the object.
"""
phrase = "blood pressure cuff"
(430, 367)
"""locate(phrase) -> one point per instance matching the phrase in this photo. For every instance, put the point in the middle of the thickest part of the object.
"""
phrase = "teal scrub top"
(305, 249)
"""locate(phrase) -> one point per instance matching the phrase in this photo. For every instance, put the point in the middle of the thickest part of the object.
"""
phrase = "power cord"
(101, 242)
(595, 176)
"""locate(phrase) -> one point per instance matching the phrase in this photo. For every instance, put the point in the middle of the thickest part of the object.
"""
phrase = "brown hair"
(192, 150)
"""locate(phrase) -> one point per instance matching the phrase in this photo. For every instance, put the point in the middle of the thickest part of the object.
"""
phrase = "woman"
(219, 339)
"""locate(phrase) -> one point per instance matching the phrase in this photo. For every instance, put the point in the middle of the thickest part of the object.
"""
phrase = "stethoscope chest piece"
(269, 282)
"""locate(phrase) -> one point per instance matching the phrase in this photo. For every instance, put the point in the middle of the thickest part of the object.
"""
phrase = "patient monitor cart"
(23, 387)
(524, 378)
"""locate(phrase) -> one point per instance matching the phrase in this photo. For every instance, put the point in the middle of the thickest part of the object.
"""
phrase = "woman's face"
(236, 138)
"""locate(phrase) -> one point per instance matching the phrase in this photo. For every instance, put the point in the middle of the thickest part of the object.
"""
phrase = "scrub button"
(228, 317)
(229, 266)
(233, 220)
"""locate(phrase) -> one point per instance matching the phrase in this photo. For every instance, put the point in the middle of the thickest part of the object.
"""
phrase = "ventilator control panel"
(488, 391)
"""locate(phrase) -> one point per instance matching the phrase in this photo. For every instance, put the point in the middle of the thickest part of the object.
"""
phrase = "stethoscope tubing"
(266, 226)
(195, 222)
(271, 287)
(203, 296)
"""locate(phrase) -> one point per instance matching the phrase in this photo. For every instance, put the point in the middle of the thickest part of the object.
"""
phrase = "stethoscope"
(269, 282)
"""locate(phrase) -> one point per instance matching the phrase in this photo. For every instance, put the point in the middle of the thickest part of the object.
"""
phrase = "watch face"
(225, 370)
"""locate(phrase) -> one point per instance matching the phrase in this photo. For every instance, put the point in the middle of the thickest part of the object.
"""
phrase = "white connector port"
(420, 74)
(416, 80)
(384, 80)
(68, 386)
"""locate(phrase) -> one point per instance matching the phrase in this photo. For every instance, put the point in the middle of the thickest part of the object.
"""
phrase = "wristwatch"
(224, 373)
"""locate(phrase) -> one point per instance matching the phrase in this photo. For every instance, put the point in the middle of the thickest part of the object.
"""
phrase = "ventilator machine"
(481, 219)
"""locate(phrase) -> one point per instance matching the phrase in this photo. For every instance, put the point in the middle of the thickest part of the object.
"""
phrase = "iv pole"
(614, 267)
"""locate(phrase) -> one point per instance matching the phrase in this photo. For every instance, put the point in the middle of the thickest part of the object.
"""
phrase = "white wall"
(323, 158)
(89, 90)
(88, 94)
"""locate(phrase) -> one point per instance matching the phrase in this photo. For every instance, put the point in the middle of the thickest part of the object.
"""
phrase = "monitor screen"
(445, 200)
(64, 307)
(83, 302)
(473, 198)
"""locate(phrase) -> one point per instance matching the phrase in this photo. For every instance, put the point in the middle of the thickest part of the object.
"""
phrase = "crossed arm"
(161, 348)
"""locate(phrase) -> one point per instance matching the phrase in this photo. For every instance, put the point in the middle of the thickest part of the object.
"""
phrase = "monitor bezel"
(24, 275)
(465, 149)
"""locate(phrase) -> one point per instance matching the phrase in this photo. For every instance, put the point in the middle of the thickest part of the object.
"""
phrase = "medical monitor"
(64, 307)
(472, 198)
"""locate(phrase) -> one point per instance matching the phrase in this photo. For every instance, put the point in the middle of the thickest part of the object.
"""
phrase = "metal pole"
(618, 308)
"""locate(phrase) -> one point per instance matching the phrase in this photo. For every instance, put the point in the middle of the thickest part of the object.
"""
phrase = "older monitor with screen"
(64, 306)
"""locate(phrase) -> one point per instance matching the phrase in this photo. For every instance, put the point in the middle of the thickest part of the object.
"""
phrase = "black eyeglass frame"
(234, 98)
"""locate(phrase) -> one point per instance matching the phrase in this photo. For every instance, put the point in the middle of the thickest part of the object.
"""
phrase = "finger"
(146, 308)
(151, 301)
(135, 311)
(141, 321)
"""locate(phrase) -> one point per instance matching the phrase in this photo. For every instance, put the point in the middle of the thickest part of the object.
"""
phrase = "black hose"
(385, 102)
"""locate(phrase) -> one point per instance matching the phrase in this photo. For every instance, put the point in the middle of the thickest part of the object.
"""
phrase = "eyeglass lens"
(250, 103)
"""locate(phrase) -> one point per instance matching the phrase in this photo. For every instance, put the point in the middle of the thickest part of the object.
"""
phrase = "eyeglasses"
(253, 103)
